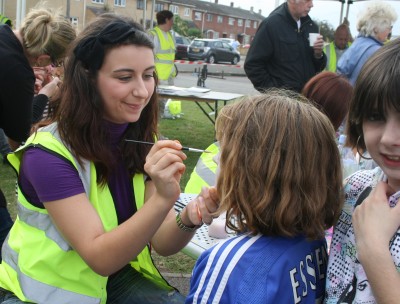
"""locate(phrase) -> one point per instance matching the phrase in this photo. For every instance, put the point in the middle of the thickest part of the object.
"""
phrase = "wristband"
(182, 226)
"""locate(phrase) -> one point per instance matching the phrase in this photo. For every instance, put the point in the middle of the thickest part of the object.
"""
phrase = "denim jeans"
(5, 221)
(130, 287)
(4, 146)
(126, 287)
(7, 297)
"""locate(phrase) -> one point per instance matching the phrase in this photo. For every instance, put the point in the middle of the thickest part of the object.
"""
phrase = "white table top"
(201, 240)
(196, 93)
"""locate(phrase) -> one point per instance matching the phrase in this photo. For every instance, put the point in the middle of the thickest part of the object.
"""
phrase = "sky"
(323, 10)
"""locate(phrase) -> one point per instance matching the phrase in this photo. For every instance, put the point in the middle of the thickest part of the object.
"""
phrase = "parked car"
(181, 44)
(212, 51)
(229, 40)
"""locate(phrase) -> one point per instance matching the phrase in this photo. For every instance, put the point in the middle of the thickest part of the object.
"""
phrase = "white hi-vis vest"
(165, 57)
(39, 265)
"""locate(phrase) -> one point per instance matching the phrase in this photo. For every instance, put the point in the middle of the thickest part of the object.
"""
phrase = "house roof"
(219, 9)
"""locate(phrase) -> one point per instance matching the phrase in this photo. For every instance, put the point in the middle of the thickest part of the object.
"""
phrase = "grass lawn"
(193, 129)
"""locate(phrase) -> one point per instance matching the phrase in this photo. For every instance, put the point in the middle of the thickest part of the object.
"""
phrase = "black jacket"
(18, 108)
(280, 55)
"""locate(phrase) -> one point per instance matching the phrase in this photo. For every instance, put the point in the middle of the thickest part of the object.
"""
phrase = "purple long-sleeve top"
(45, 177)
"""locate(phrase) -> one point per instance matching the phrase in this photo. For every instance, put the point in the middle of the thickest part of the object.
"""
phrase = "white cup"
(313, 37)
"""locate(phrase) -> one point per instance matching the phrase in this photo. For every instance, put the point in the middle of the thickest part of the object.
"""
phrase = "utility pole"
(21, 12)
(84, 14)
(68, 9)
(144, 14)
(153, 4)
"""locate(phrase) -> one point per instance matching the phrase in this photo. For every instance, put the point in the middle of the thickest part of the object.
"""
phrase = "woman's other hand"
(202, 209)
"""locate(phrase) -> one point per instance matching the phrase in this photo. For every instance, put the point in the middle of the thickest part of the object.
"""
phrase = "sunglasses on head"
(56, 63)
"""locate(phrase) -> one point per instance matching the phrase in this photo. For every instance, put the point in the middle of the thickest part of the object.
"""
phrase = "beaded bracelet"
(182, 226)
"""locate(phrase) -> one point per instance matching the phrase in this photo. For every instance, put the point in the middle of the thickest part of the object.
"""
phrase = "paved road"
(231, 84)
(219, 68)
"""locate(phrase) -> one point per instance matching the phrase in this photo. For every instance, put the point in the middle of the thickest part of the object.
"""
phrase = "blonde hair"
(376, 18)
(280, 166)
(46, 31)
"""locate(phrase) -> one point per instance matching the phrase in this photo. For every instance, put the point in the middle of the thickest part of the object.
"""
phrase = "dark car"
(212, 51)
(181, 44)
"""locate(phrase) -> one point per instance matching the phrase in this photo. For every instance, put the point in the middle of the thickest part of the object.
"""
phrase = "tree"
(181, 26)
(326, 30)
(194, 33)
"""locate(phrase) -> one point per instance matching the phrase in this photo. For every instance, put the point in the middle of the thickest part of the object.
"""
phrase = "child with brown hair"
(280, 185)
(364, 261)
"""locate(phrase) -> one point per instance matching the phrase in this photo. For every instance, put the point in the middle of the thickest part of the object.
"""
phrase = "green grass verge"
(193, 129)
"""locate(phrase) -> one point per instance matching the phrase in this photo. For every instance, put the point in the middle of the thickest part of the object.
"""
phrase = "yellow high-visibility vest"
(38, 264)
(165, 57)
(204, 174)
(330, 53)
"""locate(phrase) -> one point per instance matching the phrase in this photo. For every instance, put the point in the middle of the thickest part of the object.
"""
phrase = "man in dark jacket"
(280, 54)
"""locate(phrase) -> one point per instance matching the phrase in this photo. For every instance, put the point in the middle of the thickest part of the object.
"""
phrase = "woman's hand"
(52, 88)
(202, 208)
(164, 164)
(43, 76)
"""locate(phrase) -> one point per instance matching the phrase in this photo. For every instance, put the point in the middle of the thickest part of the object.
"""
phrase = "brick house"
(222, 21)
(213, 19)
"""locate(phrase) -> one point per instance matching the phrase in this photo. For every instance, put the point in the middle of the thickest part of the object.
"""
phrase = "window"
(98, 1)
(240, 22)
(74, 21)
(255, 25)
(159, 7)
(231, 21)
(220, 19)
(209, 17)
(197, 16)
(218, 44)
(215, 35)
(186, 11)
(120, 3)
(174, 9)
(226, 46)
(140, 4)
(247, 23)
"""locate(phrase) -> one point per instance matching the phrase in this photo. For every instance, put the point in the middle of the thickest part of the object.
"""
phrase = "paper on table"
(180, 91)
(198, 90)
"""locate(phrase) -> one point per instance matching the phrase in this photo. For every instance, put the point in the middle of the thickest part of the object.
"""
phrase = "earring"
(361, 154)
